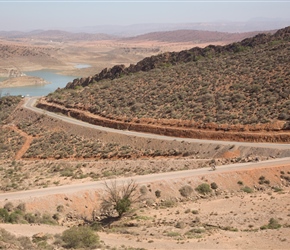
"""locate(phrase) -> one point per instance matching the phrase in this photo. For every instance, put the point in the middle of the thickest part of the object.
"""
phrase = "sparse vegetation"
(186, 191)
(158, 193)
(226, 87)
(273, 224)
(80, 237)
(119, 198)
(164, 212)
(195, 211)
(7, 105)
(11, 214)
(213, 185)
(247, 189)
(263, 180)
(14, 242)
(203, 188)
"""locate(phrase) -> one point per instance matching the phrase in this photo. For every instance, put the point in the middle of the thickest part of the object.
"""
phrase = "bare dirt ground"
(226, 219)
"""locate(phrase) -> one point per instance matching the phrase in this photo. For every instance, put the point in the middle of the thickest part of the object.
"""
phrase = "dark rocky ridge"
(184, 56)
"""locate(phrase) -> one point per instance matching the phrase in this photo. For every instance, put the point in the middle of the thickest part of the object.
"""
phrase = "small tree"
(119, 198)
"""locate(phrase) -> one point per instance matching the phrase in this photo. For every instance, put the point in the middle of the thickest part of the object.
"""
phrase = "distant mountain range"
(104, 32)
(257, 24)
(176, 36)
(55, 35)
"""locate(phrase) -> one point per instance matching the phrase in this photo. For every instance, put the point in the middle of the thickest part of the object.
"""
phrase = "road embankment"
(83, 198)
(273, 135)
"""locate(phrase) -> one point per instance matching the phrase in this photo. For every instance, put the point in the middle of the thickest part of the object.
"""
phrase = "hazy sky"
(52, 14)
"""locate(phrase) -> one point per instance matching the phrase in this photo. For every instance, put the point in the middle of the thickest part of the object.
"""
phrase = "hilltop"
(239, 87)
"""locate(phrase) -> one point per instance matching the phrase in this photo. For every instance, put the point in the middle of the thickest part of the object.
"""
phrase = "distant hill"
(176, 36)
(56, 35)
(241, 86)
(13, 54)
(196, 36)
(219, 26)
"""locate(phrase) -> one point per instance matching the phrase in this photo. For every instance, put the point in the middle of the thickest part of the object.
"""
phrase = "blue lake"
(56, 81)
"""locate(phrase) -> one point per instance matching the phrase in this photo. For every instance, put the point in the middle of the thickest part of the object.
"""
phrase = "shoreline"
(23, 81)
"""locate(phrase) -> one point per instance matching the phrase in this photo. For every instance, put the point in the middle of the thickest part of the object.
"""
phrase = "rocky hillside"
(7, 105)
(241, 86)
(14, 56)
(173, 58)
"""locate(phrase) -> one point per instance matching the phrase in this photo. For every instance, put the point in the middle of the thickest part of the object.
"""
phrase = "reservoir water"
(56, 81)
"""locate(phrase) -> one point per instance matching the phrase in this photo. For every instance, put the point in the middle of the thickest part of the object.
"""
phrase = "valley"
(159, 113)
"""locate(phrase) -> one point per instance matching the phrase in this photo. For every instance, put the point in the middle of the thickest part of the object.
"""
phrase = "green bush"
(4, 215)
(273, 224)
(277, 189)
(80, 237)
(122, 206)
(247, 189)
(7, 240)
(168, 203)
(203, 188)
(14, 217)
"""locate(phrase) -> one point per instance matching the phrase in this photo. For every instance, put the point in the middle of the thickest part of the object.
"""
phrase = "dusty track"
(26, 145)
(174, 129)
(99, 185)
(30, 102)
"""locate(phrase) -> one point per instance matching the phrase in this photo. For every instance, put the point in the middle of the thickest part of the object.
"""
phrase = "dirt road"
(30, 102)
(67, 189)
(98, 185)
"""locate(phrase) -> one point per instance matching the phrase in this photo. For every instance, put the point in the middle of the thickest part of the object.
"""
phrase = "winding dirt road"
(98, 185)
(30, 102)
